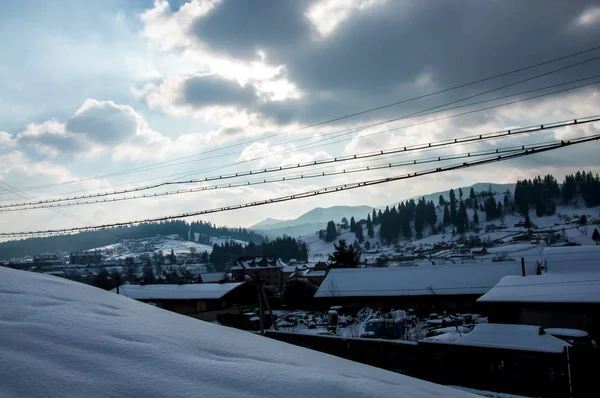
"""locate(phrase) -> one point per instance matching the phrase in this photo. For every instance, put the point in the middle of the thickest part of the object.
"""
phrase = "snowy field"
(59, 338)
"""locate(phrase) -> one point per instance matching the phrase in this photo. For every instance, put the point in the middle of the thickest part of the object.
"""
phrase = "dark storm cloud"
(206, 90)
(242, 27)
(378, 53)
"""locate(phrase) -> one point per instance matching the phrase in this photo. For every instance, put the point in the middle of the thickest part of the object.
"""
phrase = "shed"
(200, 300)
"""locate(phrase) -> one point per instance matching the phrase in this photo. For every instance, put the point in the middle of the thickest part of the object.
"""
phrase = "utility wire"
(313, 193)
(286, 179)
(340, 159)
(147, 167)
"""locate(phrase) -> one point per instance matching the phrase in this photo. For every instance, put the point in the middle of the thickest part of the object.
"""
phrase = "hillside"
(309, 222)
(65, 339)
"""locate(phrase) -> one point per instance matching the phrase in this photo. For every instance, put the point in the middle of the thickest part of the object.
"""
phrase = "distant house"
(270, 269)
(199, 300)
(85, 258)
(551, 300)
(318, 273)
(212, 277)
(454, 287)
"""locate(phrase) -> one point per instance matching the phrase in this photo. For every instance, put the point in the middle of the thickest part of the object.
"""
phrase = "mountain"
(316, 219)
(267, 222)
(310, 222)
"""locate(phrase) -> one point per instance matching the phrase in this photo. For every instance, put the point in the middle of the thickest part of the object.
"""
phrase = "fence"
(520, 372)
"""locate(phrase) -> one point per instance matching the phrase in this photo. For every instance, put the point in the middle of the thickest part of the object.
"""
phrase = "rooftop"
(191, 291)
(448, 279)
(258, 263)
(67, 339)
(576, 287)
(518, 337)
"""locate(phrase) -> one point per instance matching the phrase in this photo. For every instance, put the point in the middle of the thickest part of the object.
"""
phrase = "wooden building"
(199, 300)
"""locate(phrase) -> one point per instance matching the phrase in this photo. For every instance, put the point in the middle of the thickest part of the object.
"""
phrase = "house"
(270, 269)
(199, 300)
(288, 271)
(85, 258)
(318, 273)
(453, 287)
(551, 300)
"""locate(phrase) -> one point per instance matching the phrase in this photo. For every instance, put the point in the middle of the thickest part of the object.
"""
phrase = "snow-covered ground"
(149, 246)
(501, 238)
(64, 339)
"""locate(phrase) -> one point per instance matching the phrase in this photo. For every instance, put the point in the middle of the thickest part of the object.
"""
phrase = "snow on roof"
(566, 332)
(415, 281)
(572, 258)
(289, 268)
(576, 287)
(316, 272)
(191, 291)
(212, 277)
(258, 263)
(517, 337)
(65, 339)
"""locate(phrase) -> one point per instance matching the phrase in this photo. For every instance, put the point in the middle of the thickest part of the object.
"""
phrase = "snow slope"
(63, 339)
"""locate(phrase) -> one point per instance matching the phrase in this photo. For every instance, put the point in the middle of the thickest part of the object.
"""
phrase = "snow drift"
(65, 339)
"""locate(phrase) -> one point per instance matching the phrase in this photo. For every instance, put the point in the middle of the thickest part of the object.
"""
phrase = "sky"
(101, 96)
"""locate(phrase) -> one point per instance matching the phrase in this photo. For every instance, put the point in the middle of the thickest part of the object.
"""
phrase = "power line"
(148, 167)
(284, 179)
(340, 159)
(313, 193)
(316, 144)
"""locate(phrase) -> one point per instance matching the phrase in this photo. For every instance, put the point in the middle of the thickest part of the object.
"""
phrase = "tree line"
(284, 248)
(544, 194)
(92, 239)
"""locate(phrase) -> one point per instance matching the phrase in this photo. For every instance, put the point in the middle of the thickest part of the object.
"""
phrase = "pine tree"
(370, 230)
(375, 218)
(596, 236)
(462, 218)
(367, 245)
(344, 256)
(453, 211)
(475, 217)
(352, 224)
(446, 221)
(431, 214)
(499, 209)
(330, 232)
(441, 201)
(491, 209)
(358, 231)
(345, 223)
(460, 193)
(172, 257)
(472, 193)
(527, 222)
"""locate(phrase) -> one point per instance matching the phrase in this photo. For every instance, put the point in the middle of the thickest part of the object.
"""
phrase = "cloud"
(105, 122)
(97, 126)
(52, 139)
(591, 16)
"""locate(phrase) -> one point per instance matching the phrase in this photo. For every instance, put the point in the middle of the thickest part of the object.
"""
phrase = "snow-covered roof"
(66, 339)
(316, 272)
(212, 277)
(191, 291)
(576, 287)
(572, 258)
(566, 332)
(446, 279)
(517, 337)
(289, 268)
(258, 263)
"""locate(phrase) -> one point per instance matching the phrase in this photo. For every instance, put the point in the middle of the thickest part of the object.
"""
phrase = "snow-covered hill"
(500, 238)
(65, 339)
(149, 246)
